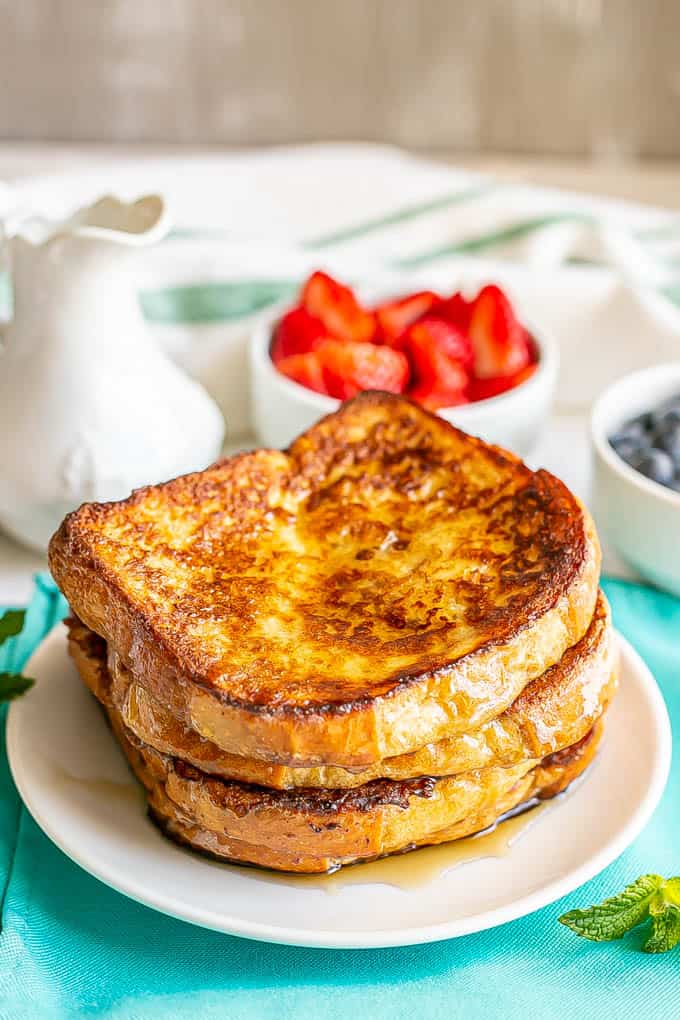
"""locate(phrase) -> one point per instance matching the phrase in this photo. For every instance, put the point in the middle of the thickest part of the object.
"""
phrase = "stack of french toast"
(387, 636)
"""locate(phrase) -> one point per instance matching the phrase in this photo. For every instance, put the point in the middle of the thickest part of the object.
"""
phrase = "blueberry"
(630, 432)
(654, 464)
(643, 421)
(667, 412)
(667, 437)
(627, 447)
(667, 419)
(632, 438)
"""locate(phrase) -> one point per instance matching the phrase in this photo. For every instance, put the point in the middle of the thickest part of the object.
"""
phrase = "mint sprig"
(11, 624)
(12, 685)
(649, 897)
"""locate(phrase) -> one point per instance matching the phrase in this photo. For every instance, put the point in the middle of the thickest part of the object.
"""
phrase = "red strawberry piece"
(440, 360)
(482, 389)
(439, 352)
(533, 349)
(297, 332)
(443, 337)
(395, 316)
(455, 309)
(500, 343)
(431, 397)
(337, 307)
(305, 369)
(350, 368)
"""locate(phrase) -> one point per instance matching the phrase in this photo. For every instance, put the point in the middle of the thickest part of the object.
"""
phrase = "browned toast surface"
(384, 582)
(553, 712)
(320, 830)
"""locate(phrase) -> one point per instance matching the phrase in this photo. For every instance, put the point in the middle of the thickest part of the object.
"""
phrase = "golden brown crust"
(553, 712)
(347, 601)
(319, 830)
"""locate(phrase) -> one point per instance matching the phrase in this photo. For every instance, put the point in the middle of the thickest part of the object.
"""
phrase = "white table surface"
(563, 449)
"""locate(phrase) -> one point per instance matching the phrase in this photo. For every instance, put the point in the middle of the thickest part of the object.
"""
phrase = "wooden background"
(594, 78)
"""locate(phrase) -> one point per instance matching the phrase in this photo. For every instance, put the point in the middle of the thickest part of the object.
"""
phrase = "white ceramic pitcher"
(90, 408)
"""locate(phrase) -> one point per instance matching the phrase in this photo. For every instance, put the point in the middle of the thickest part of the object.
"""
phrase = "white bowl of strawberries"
(469, 358)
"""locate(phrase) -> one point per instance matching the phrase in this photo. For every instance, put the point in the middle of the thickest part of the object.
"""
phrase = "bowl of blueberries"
(635, 432)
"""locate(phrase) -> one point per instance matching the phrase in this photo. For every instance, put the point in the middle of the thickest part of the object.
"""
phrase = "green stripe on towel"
(399, 216)
(471, 245)
(214, 302)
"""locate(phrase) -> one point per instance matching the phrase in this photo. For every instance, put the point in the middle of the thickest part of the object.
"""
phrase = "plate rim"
(553, 890)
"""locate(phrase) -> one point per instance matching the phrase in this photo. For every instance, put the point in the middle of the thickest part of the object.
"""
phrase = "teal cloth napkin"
(72, 947)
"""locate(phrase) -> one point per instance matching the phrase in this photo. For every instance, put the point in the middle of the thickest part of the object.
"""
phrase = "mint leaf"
(12, 685)
(649, 897)
(616, 915)
(664, 911)
(665, 926)
(11, 623)
(671, 891)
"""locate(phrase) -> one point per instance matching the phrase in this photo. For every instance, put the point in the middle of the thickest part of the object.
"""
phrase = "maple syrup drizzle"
(410, 869)
(417, 867)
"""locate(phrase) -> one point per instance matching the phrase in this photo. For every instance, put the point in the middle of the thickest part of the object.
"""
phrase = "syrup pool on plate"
(416, 868)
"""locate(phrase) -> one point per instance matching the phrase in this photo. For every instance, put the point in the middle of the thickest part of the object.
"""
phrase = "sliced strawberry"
(395, 316)
(431, 397)
(337, 307)
(482, 389)
(455, 309)
(434, 333)
(500, 343)
(440, 360)
(297, 332)
(305, 369)
(350, 368)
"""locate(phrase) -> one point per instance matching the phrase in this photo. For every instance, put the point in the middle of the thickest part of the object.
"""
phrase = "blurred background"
(596, 78)
(588, 82)
(200, 101)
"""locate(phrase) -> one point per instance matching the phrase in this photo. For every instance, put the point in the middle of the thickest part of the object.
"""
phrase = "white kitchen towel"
(603, 276)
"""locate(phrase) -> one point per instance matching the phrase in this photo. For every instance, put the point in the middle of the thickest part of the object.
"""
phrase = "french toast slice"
(385, 583)
(312, 831)
(553, 712)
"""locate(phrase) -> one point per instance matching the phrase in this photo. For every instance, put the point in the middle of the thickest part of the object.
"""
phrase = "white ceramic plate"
(75, 783)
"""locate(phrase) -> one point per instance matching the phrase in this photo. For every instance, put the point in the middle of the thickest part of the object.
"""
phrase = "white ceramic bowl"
(640, 518)
(282, 408)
